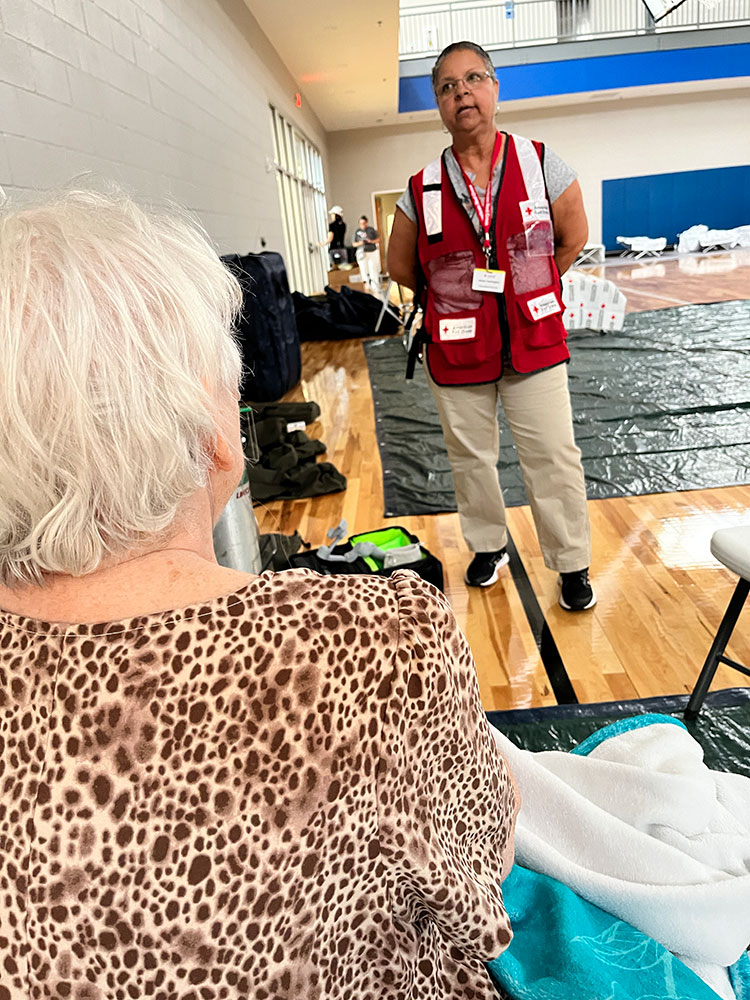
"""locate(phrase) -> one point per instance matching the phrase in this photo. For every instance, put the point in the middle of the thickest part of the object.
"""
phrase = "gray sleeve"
(557, 174)
(406, 204)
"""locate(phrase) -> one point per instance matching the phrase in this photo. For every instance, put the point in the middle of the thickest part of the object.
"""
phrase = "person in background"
(366, 241)
(486, 230)
(213, 784)
(336, 235)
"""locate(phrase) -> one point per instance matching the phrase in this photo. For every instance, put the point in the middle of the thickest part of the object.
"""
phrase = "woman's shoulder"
(332, 600)
(398, 593)
(346, 598)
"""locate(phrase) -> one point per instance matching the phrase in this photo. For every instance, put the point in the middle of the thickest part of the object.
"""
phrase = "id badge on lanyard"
(485, 279)
(488, 279)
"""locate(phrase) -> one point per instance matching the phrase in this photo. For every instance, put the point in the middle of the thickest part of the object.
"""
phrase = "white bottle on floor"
(236, 542)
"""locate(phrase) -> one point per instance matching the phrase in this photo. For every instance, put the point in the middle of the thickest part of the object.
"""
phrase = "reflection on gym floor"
(661, 595)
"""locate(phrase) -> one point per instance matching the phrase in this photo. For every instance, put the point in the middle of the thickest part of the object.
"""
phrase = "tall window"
(299, 175)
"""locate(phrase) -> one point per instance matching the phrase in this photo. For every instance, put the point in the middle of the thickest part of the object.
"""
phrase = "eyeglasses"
(472, 80)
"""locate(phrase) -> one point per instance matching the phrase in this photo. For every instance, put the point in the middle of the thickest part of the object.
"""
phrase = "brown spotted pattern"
(288, 792)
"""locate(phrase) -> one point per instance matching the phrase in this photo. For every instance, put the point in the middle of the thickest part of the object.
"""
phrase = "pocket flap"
(540, 304)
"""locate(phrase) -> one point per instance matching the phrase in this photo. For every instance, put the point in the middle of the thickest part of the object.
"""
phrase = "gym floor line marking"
(550, 654)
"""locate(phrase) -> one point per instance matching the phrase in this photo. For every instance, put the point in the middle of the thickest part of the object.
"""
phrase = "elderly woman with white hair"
(212, 785)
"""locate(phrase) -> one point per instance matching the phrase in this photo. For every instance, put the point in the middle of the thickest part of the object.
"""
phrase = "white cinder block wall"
(167, 97)
(601, 140)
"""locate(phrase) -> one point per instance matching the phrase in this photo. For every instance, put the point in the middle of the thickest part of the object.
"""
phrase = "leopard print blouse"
(290, 791)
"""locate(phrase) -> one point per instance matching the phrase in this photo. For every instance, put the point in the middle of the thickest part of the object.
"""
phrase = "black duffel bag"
(344, 315)
(424, 563)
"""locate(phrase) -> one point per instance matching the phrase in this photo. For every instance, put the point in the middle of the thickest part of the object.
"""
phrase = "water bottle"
(236, 542)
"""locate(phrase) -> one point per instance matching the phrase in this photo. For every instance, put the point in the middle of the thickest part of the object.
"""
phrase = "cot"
(642, 246)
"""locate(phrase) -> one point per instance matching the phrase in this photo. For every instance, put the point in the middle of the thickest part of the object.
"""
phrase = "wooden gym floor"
(661, 594)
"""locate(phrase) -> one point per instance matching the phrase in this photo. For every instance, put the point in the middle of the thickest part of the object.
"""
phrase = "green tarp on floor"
(722, 728)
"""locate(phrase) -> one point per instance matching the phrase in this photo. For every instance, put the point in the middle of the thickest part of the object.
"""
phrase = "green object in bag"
(381, 552)
(389, 539)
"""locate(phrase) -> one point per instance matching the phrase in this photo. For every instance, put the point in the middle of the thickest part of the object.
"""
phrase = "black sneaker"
(576, 592)
(484, 568)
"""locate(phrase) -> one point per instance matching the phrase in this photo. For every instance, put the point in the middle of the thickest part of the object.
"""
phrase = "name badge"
(544, 305)
(457, 329)
(486, 280)
(534, 211)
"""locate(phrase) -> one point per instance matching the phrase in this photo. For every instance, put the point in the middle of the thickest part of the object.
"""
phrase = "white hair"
(115, 341)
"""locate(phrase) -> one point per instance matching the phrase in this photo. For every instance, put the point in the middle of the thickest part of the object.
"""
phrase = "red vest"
(467, 329)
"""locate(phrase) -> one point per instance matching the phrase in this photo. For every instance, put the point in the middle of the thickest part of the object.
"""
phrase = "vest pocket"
(449, 280)
(528, 271)
(540, 318)
(463, 339)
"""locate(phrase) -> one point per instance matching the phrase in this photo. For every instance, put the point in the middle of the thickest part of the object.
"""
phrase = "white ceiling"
(343, 55)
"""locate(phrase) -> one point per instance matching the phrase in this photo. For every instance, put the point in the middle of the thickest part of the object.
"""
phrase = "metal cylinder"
(236, 541)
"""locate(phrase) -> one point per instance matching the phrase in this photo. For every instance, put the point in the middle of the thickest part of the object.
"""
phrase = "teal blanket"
(565, 948)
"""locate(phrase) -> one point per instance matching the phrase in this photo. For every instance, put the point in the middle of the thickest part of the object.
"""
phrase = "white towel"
(642, 828)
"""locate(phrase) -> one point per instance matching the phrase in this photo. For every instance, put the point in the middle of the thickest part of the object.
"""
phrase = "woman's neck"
(475, 147)
(154, 582)
(180, 572)
(474, 153)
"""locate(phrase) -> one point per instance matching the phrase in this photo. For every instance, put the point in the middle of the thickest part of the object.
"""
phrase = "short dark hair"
(363, 218)
(461, 47)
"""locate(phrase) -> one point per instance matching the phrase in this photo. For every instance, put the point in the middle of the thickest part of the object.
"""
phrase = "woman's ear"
(223, 454)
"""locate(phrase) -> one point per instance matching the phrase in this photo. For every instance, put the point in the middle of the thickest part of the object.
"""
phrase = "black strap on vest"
(421, 337)
(415, 352)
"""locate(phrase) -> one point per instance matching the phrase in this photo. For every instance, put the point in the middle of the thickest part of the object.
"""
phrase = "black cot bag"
(267, 329)
(412, 555)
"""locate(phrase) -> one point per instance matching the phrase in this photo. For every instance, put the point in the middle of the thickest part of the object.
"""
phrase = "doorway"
(385, 209)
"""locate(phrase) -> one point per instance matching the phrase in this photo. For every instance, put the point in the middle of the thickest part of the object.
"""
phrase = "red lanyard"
(484, 212)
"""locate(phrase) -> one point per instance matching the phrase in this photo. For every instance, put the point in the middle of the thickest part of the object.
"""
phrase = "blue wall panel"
(575, 76)
(665, 204)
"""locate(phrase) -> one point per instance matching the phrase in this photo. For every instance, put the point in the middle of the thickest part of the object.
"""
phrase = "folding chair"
(731, 546)
(399, 312)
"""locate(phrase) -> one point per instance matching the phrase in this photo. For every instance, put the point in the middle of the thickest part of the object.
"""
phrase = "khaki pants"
(537, 408)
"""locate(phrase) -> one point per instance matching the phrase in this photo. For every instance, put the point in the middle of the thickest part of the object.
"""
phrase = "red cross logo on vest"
(445, 329)
(536, 309)
(528, 209)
